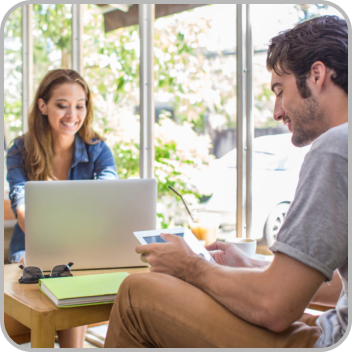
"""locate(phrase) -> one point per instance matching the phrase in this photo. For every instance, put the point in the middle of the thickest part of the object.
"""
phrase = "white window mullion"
(240, 122)
(147, 114)
(76, 38)
(249, 122)
(27, 63)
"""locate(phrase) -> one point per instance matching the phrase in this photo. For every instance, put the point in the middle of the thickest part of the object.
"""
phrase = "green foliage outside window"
(13, 76)
(51, 39)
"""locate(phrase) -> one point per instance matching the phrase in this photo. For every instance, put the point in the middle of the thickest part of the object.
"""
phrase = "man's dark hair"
(322, 39)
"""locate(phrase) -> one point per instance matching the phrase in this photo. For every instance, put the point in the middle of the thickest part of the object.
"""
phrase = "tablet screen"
(158, 239)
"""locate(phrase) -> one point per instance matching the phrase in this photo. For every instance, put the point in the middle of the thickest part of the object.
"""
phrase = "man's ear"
(318, 75)
(42, 106)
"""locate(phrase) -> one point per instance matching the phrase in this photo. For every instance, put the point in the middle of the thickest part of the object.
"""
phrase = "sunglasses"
(32, 274)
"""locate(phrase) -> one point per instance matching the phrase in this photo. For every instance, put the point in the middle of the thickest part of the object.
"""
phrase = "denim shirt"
(89, 161)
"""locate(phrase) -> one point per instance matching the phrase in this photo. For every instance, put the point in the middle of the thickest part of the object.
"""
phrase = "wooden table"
(27, 304)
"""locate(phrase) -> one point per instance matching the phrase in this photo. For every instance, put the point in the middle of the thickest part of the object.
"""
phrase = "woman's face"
(66, 110)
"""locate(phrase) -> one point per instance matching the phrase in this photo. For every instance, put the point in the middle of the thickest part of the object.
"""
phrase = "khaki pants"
(157, 310)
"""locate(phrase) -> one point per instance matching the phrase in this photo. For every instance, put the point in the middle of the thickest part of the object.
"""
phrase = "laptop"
(89, 223)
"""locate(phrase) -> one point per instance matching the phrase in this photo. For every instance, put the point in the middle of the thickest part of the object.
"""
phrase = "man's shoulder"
(335, 141)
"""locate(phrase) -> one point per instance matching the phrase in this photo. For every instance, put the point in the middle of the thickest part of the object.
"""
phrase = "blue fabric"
(89, 162)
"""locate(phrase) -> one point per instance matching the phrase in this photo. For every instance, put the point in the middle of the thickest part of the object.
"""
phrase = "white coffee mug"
(246, 245)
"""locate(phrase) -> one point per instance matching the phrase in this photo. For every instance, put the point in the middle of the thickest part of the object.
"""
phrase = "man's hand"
(170, 258)
(229, 255)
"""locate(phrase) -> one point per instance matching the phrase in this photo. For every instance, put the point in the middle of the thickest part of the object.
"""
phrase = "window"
(276, 162)
(111, 69)
(195, 90)
(51, 39)
(195, 99)
(13, 76)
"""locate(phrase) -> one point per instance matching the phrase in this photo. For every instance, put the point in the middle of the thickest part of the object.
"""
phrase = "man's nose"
(279, 112)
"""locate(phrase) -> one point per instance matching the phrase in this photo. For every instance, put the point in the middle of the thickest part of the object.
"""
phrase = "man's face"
(302, 116)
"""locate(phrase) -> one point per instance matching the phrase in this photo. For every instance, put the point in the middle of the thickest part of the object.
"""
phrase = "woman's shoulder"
(96, 144)
(17, 145)
(15, 154)
(97, 141)
(93, 150)
(96, 147)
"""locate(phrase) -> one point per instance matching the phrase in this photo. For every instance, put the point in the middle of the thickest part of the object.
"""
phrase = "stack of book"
(73, 291)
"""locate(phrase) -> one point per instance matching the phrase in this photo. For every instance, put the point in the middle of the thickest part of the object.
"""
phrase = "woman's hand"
(21, 216)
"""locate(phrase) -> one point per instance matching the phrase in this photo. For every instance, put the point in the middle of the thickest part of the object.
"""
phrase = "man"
(240, 302)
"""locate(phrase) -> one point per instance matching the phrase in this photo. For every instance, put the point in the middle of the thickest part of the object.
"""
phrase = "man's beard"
(308, 123)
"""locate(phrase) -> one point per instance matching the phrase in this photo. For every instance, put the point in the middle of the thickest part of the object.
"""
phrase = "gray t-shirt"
(315, 230)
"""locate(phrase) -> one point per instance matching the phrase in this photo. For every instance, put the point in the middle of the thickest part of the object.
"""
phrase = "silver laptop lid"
(89, 223)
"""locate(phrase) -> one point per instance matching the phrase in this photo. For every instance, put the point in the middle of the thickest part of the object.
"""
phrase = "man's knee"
(146, 282)
(137, 291)
(136, 282)
(147, 289)
(133, 287)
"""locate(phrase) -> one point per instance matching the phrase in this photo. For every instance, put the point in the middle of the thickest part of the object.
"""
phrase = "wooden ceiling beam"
(117, 19)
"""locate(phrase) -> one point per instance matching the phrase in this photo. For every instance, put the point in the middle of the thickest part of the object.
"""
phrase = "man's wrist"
(197, 269)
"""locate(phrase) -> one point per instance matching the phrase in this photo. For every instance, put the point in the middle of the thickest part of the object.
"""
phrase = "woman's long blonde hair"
(38, 148)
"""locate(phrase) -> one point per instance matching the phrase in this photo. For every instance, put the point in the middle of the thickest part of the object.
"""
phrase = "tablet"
(153, 236)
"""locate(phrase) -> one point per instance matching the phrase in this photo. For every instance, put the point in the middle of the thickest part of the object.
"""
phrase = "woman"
(60, 145)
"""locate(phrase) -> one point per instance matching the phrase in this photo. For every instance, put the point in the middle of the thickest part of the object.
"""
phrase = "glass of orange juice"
(206, 227)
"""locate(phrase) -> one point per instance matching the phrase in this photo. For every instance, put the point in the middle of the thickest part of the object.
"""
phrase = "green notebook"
(73, 291)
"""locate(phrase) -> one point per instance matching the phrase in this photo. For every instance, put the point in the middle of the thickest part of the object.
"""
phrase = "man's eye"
(280, 94)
